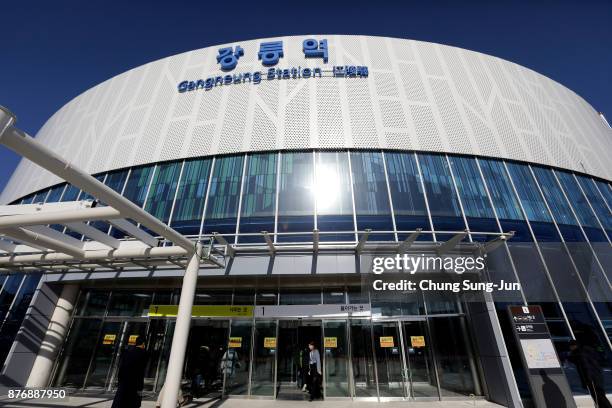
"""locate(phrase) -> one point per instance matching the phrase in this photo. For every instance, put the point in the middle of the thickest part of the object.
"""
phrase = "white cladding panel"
(419, 96)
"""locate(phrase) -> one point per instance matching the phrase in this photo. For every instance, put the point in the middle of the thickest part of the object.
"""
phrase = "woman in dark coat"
(131, 376)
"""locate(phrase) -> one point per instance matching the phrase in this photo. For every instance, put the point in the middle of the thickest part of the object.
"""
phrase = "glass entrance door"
(208, 341)
(389, 362)
(292, 362)
(420, 368)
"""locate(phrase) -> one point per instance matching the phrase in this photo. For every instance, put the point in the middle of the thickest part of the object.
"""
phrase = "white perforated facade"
(418, 96)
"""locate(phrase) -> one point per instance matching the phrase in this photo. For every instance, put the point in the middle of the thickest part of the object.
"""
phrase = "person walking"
(315, 376)
(586, 360)
(131, 376)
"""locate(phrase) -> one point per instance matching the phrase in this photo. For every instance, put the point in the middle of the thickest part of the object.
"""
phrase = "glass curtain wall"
(258, 208)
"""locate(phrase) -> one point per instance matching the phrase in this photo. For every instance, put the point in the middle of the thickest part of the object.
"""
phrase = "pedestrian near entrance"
(586, 360)
(314, 374)
(131, 376)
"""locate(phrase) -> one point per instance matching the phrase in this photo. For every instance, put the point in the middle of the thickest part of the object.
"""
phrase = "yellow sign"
(270, 342)
(417, 341)
(132, 339)
(235, 342)
(331, 342)
(109, 339)
(202, 311)
(386, 341)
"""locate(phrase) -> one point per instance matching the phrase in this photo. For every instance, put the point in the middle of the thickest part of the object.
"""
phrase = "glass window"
(129, 303)
(163, 188)
(300, 298)
(76, 356)
(597, 202)
(476, 204)
(137, 184)
(9, 290)
(213, 297)
(222, 207)
(71, 193)
(581, 206)
(264, 352)
(237, 359)
(334, 199)
(116, 181)
(533, 203)
(561, 211)
(55, 194)
(371, 194)
(17, 313)
(40, 197)
(441, 195)
(605, 190)
(504, 200)
(258, 196)
(187, 215)
(407, 194)
(296, 199)
(92, 303)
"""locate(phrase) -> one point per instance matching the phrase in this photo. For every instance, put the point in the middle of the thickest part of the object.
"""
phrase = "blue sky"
(54, 50)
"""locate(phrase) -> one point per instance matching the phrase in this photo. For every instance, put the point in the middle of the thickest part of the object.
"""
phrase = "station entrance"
(293, 356)
(372, 351)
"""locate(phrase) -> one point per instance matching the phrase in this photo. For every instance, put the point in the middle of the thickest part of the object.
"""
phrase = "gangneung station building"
(295, 161)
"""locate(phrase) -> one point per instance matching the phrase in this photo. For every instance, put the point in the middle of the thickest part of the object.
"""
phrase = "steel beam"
(269, 242)
(59, 217)
(229, 250)
(362, 241)
(404, 246)
(495, 243)
(36, 239)
(29, 148)
(94, 234)
(451, 243)
(174, 374)
(134, 231)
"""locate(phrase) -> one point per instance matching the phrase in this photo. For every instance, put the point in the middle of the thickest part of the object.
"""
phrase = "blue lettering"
(182, 87)
(256, 77)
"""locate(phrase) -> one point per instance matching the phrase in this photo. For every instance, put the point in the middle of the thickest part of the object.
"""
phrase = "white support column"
(181, 332)
(54, 337)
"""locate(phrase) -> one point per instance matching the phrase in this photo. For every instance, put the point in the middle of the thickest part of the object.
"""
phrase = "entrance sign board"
(331, 342)
(270, 342)
(417, 341)
(202, 311)
(387, 341)
(313, 311)
(549, 387)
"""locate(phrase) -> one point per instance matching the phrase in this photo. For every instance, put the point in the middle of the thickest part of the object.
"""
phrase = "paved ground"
(105, 402)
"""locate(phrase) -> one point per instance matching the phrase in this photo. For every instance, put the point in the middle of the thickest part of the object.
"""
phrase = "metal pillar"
(54, 338)
(174, 374)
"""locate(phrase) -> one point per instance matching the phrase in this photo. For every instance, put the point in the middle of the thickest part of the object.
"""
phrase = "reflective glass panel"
(473, 194)
(407, 194)
(138, 184)
(222, 206)
(237, 359)
(504, 200)
(597, 202)
(55, 194)
(332, 189)
(581, 206)
(162, 190)
(258, 208)
(296, 199)
(264, 352)
(187, 215)
(335, 349)
(441, 195)
(371, 194)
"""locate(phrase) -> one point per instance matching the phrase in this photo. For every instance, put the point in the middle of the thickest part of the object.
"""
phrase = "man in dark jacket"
(131, 376)
(586, 360)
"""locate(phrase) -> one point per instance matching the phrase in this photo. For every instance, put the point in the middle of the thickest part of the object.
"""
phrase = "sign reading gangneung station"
(270, 54)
